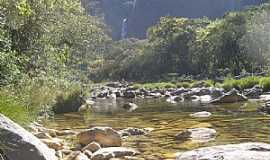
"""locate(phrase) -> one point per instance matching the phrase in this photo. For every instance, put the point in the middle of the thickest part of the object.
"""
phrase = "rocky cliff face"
(142, 14)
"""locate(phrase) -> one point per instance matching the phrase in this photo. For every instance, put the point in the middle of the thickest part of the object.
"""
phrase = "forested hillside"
(236, 43)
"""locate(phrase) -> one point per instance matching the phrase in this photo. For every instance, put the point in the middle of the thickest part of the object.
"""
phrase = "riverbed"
(234, 123)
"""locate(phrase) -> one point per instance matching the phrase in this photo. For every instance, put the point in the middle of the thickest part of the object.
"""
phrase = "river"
(234, 123)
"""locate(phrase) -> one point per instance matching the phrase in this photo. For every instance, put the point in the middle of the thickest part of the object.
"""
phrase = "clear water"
(234, 123)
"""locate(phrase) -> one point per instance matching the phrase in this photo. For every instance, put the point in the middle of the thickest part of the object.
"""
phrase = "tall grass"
(23, 102)
(241, 84)
(13, 108)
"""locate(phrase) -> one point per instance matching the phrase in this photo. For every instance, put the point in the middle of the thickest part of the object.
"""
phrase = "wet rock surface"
(197, 134)
(243, 151)
(113, 152)
(105, 136)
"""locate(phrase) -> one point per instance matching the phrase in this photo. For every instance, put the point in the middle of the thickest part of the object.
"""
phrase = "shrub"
(248, 82)
(205, 83)
(70, 102)
(229, 84)
(265, 83)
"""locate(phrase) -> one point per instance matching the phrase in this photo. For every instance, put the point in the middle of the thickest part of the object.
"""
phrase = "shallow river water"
(234, 123)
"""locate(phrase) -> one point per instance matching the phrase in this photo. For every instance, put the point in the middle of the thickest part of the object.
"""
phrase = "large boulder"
(230, 97)
(20, 144)
(243, 151)
(197, 134)
(105, 136)
(113, 152)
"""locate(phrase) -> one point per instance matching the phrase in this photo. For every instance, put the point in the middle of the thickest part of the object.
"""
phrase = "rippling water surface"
(234, 123)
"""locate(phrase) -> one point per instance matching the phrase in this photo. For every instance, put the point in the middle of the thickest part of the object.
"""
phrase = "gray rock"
(254, 92)
(174, 99)
(20, 144)
(243, 151)
(197, 134)
(230, 97)
(129, 94)
(203, 114)
(132, 132)
(105, 136)
(76, 155)
(216, 92)
(113, 152)
(179, 91)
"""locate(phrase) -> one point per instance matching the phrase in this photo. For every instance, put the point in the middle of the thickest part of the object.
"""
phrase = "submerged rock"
(197, 134)
(265, 108)
(243, 151)
(105, 136)
(129, 94)
(203, 114)
(76, 155)
(113, 152)
(54, 143)
(175, 99)
(230, 97)
(130, 106)
(21, 144)
(132, 132)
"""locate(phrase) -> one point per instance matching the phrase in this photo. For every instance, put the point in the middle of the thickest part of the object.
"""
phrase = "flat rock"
(202, 114)
(21, 144)
(243, 151)
(113, 152)
(197, 134)
(105, 136)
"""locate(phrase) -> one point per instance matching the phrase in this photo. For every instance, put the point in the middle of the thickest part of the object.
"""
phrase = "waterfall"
(124, 28)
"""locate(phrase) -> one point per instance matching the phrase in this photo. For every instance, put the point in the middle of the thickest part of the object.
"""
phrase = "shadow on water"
(238, 122)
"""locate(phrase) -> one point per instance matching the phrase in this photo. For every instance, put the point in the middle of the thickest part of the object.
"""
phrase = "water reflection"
(233, 122)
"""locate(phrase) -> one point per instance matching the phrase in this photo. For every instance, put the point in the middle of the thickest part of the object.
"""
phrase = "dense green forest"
(49, 49)
(239, 42)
